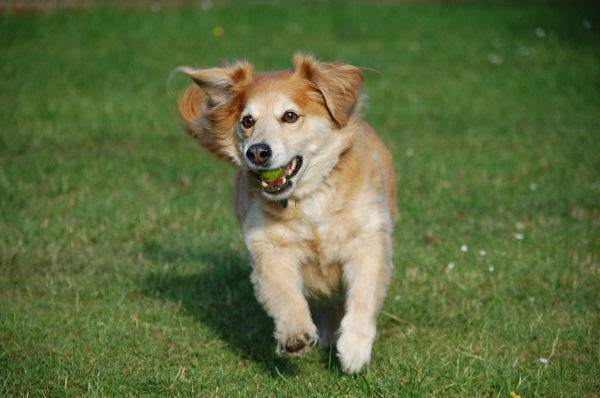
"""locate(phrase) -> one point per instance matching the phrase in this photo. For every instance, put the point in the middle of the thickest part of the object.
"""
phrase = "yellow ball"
(268, 175)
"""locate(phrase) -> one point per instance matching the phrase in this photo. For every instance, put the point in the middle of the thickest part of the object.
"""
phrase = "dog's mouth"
(279, 180)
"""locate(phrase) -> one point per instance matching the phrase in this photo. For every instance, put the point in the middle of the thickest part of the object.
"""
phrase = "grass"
(123, 271)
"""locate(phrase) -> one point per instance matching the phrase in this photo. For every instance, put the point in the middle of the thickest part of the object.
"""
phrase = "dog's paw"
(354, 351)
(296, 343)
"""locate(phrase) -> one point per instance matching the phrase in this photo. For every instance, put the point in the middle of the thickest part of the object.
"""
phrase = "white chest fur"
(320, 234)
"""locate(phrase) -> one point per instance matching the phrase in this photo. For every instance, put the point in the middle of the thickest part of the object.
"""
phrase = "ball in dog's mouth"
(277, 180)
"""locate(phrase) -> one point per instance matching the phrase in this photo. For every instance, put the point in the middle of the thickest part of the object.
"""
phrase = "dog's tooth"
(264, 184)
(290, 169)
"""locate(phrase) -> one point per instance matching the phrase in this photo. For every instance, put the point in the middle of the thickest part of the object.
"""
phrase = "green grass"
(123, 271)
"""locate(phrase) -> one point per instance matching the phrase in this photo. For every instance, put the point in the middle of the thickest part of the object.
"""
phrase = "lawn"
(123, 271)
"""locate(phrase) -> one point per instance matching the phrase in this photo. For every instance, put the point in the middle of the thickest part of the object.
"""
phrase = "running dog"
(315, 196)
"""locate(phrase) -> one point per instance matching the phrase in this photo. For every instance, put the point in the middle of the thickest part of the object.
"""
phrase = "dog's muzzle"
(279, 180)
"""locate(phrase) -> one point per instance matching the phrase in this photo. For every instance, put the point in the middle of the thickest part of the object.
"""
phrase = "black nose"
(259, 153)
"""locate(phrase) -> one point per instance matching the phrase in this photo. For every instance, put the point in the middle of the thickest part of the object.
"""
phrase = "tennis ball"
(268, 175)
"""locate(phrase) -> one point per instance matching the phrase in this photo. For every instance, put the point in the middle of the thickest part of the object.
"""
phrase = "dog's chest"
(324, 241)
(325, 229)
(319, 234)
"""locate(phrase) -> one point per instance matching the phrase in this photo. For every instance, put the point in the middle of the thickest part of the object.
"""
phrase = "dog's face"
(285, 127)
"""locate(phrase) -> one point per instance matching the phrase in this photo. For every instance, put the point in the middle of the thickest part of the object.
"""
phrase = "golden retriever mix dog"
(315, 196)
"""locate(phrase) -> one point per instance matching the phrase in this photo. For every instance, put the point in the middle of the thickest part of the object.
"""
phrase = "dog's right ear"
(208, 110)
(219, 84)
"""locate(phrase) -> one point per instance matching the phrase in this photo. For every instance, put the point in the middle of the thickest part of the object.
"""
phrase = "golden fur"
(320, 238)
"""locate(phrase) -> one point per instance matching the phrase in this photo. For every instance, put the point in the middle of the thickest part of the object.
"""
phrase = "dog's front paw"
(296, 343)
(354, 351)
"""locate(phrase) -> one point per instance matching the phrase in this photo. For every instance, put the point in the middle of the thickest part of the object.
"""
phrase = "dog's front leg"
(278, 287)
(366, 276)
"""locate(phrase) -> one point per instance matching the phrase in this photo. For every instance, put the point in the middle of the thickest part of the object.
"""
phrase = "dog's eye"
(247, 121)
(290, 117)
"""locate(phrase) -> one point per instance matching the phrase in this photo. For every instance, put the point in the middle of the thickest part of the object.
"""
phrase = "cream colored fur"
(320, 246)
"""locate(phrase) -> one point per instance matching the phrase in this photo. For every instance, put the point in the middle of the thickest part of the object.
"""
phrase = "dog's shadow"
(220, 297)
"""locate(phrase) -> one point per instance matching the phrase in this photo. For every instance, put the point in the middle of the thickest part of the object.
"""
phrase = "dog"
(315, 196)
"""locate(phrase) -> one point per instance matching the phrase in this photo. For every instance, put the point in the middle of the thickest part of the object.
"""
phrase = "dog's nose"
(259, 153)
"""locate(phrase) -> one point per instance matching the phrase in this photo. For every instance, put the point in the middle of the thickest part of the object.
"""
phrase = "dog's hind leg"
(327, 315)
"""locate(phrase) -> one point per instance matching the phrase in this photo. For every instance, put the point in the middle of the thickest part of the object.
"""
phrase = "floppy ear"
(338, 83)
(219, 83)
(208, 110)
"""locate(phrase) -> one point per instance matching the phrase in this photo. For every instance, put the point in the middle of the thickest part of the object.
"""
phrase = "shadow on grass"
(222, 298)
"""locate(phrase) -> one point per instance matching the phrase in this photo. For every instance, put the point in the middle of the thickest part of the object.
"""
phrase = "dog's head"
(286, 127)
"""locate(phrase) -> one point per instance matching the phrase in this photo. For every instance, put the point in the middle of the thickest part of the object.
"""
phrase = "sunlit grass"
(122, 268)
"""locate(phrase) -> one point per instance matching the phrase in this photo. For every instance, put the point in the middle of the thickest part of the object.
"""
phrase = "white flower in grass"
(519, 236)
(491, 268)
(206, 5)
(482, 253)
(464, 248)
(586, 24)
(450, 266)
(543, 360)
(539, 32)
(495, 59)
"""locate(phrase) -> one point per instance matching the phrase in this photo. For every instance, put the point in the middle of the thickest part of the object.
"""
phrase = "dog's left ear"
(339, 83)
